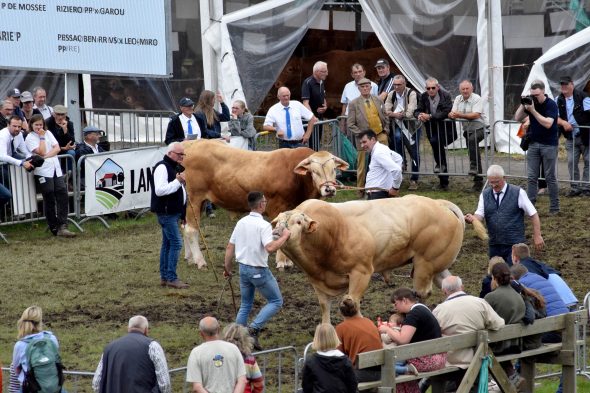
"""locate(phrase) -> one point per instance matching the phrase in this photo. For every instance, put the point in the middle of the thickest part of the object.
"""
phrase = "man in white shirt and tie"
(184, 125)
(384, 176)
(504, 206)
(13, 150)
(285, 118)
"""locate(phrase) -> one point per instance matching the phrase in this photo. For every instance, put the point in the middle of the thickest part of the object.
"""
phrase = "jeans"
(69, 162)
(171, 246)
(261, 278)
(546, 154)
(55, 200)
(5, 194)
(575, 150)
(401, 367)
(397, 144)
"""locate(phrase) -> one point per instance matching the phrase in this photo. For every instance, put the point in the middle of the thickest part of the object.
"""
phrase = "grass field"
(89, 286)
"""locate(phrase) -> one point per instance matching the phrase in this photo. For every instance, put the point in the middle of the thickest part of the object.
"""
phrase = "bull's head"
(296, 222)
(322, 166)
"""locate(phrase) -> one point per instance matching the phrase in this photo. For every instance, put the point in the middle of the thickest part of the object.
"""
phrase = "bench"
(563, 353)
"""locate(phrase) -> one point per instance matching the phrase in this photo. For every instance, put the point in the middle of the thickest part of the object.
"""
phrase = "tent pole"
(491, 100)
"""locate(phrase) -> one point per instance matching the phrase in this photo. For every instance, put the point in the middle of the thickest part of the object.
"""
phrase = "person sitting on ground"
(509, 305)
(241, 124)
(30, 327)
(402, 367)
(328, 370)
(358, 334)
(238, 335)
(419, 325)
(521, 254)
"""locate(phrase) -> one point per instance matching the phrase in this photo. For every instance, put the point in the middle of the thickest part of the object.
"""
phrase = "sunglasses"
(431, 88)
(397, 85)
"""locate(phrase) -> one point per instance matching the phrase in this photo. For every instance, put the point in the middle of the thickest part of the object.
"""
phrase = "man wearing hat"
(89, 146)
(183, 125)
(574, 111)
(63, 130)
(386, 82)
(27, 100)
(13, 96)
(366, 112)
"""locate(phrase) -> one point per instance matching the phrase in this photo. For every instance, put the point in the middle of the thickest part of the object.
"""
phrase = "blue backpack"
(45, 374)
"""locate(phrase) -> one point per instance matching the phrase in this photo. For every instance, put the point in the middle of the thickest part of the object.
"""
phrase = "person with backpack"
(36, 364)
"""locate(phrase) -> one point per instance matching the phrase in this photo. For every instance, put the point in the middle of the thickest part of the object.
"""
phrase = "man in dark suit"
(183, 125)
(434, 106)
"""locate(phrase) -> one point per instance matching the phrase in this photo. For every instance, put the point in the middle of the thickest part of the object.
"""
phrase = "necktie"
(12, 150)
(288, 122)
(190, 127)
(498, 198)
(368, 103)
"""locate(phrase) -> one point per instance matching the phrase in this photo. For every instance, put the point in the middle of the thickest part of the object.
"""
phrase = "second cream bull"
(340, 245)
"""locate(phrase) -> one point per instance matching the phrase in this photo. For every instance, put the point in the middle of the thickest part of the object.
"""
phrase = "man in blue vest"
(574, 111)
(133, 363)
(504, 206)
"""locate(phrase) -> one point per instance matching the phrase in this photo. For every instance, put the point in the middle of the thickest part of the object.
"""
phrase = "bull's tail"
(480, 229)
(455, 209)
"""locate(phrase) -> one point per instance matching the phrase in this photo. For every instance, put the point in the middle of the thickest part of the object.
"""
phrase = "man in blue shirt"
(574, 111)
(542, 112)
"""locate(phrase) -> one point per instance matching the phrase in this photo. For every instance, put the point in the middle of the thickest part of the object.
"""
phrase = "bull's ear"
(313, 225)
(342, 165)
(303, 167)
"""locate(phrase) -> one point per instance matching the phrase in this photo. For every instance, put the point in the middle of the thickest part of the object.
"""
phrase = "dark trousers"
(473, 138)
(377, 195)
(315, 140)
(283, 144)
(501, 250)
(5, 194)
(438, 141)
(55, 200)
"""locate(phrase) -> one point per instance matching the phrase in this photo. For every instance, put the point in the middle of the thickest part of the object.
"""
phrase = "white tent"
(244, 51)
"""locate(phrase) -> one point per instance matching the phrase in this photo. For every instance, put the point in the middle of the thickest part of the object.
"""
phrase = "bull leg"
(423, 276)
(188, 255)
(191, 235)
(324, 301)
(283, 261)
(358, 284)
(440, 277)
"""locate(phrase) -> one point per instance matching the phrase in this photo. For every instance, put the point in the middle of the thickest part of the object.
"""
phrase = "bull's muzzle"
(328, 190)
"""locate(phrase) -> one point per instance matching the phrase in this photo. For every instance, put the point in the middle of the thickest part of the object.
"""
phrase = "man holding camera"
(543, 136)
(169, 203)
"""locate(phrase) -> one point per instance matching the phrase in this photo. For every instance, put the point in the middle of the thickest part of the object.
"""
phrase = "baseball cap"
(90, 129)
(565, 79)
(382, 63)
(363, 81)
(60, 110)
(26, 96)
(185, 101)
(13, 93)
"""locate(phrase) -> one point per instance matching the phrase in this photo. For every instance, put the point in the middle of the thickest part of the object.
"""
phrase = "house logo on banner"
(119, 180)
(109, 184)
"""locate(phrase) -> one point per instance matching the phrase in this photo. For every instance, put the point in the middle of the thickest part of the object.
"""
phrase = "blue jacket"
(555, 305)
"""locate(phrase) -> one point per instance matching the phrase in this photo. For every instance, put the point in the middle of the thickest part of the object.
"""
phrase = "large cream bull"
(224, 175)
(339, 245)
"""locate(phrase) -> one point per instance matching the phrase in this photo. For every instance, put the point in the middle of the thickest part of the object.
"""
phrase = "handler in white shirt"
(385, 168)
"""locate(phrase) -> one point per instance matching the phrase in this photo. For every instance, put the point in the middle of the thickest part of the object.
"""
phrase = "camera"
(526, 100)
(36, 160)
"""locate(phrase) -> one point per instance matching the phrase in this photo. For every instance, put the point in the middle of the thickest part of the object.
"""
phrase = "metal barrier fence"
(26, 205)
(129, 128)
(279, 367)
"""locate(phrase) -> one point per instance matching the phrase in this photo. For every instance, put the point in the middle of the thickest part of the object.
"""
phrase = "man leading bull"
(250, 243)
(385, 168)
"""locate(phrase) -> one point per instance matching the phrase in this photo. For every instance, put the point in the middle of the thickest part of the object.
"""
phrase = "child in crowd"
(401, 367)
